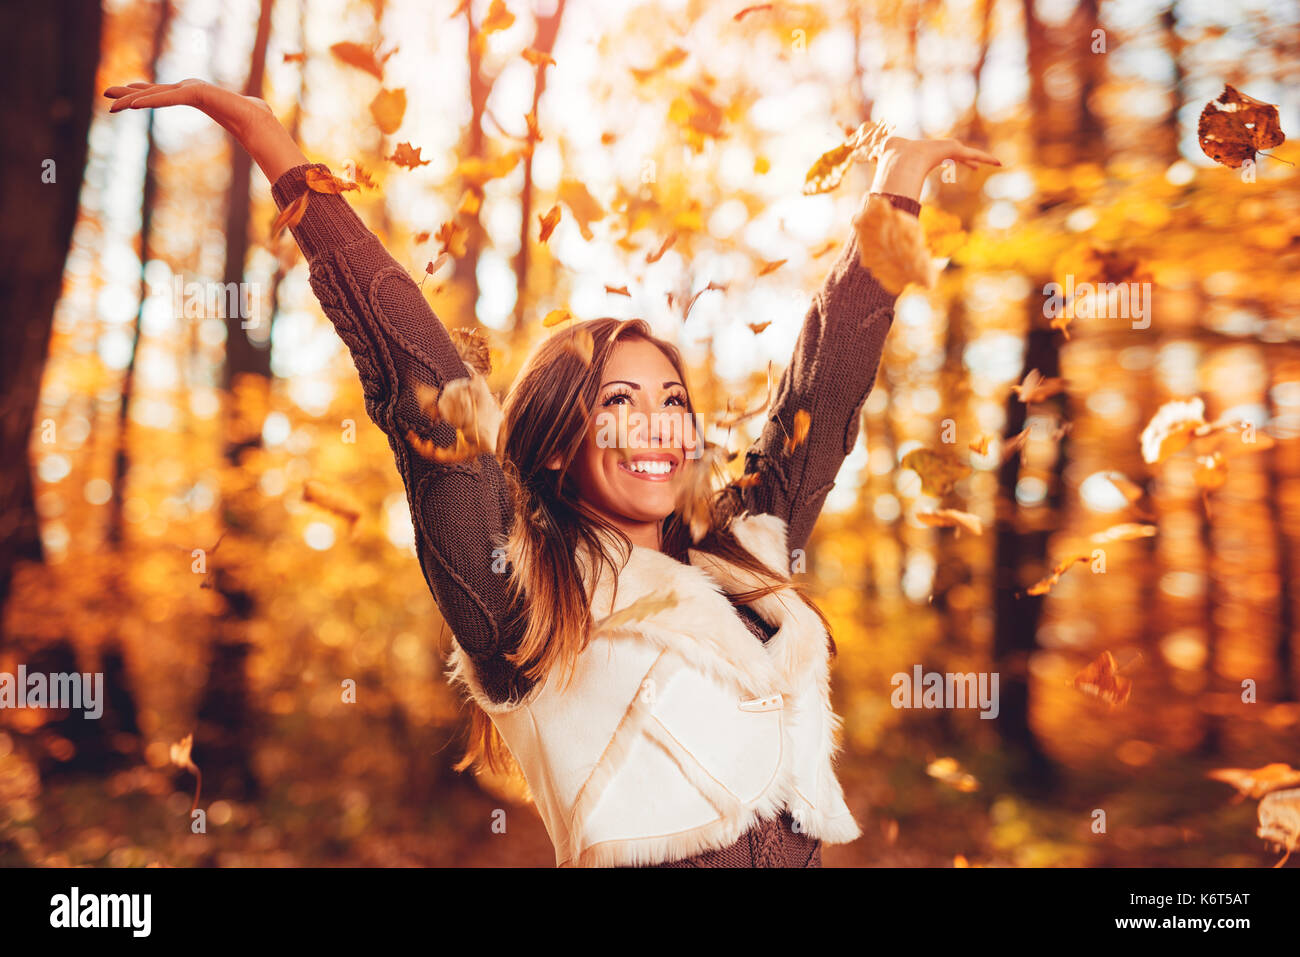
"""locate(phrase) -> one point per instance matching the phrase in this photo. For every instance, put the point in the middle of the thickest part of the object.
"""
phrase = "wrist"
(899, 171)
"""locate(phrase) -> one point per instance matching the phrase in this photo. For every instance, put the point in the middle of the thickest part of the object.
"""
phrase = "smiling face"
(641, 440)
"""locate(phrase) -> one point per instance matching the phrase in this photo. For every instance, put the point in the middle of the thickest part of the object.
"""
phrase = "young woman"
(661, 683)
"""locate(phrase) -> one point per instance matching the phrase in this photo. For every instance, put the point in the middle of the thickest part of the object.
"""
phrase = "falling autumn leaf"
(667, 61)
(1171, 429)
(948, 771)
(582, 205)
(1279, 821)
(771, 267)
(1035, 388)
(1043, 586)
(291, 215)
(658, 254)
(406, 155)
(582, 345)
(892, 246)
(1131, 490)
(498, 18)
(748, 10)
(642, 609)
(757, 327)
(1234, 127)
(323, 182)
(538, 57)
(696, 489)
(453, 238)
(295, 57)
(332, 500)
(388, 107)
(555, 317)
(732, 419)
(422, 237)
(179, 754)
(361, 176)
(1100, 679)
(710, 287)
(477, 172)
(617, 290)
(826, 174)
(802, 423)
(362, 57)
(547, 223)
(473, 348)
(980, 444)
(952, 518)
(939, 471)
(1256, 782)
(1125, 532)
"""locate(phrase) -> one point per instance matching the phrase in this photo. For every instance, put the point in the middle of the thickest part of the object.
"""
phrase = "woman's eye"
(679, 399)
(614, 399)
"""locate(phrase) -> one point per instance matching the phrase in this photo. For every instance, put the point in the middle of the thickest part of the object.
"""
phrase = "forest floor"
(1168, 817)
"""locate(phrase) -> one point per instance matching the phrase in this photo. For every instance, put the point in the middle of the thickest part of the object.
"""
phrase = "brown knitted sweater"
(461, 510)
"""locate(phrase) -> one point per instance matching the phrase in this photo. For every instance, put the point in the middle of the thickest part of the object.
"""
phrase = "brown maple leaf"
(408, 156)
(1234, 127)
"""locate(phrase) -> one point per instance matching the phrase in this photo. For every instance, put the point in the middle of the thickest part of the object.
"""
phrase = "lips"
(651, 466)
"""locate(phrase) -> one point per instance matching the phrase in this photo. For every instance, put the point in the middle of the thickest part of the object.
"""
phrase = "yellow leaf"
(939, 472)
(388, 107)
(291, 215)
(582, 204)
(892, 246)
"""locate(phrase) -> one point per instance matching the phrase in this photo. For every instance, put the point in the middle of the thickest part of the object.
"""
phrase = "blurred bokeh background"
(137, 432)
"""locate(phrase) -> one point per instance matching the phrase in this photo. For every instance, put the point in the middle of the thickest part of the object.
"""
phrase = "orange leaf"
(388, 107)
(453, 237)
(547, 223)
(362, 57)
(555, 317)
(1255, 783)
(802, 422)
(537, 57)
(1235, 126)
(1101, 680)
(617, 290)
(291, 215)
(658, 254)
(323, 182)
(406, 155)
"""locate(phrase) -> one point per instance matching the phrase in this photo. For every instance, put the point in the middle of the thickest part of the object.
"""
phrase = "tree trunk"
(49, 77)
(225, 722)
(548, 28)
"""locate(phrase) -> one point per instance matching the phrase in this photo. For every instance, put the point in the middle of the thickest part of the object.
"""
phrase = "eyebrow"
(635, 386)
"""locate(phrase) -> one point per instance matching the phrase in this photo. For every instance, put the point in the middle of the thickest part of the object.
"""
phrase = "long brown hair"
(547, 414)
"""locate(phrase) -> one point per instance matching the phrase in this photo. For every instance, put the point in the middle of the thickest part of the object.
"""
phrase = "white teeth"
(651, 467)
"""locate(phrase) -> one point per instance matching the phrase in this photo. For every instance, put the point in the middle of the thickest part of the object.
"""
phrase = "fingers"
(972, 157)
(147, 95)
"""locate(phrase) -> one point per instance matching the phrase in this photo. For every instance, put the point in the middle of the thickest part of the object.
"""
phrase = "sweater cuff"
(851, 286)
(905, 203)
(329, 220)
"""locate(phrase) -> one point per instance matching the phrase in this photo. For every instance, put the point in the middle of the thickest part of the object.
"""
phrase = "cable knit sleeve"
(830, 375)
(461, 511)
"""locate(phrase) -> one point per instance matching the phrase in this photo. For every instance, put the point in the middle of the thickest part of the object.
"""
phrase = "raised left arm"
(836, 358)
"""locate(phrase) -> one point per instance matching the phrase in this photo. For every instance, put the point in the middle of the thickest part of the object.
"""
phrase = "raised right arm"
(461, 511)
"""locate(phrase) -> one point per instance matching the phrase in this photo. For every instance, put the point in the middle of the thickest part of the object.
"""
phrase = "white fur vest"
(679, 728)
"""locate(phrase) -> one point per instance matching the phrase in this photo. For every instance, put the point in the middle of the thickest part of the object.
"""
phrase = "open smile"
(653, 467)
